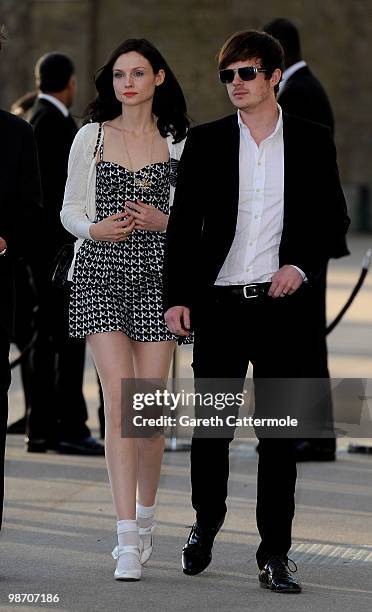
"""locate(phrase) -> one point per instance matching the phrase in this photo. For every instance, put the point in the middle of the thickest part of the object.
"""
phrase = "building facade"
(336, 40)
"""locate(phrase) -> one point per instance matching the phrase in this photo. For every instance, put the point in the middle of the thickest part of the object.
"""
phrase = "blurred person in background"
(302, 94)
(27, 305)
(58, 412)
(22, 106)
(20, 214)
(26, 302)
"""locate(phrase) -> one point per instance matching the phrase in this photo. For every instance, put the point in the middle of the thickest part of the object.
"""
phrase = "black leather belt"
(254, 290)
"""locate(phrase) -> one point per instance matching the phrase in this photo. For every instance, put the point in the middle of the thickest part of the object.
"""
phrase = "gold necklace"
(144, 183)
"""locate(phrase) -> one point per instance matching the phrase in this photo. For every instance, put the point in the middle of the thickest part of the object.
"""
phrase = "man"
(19, 216)
(301, 94)
(240, 244)
(58, 414)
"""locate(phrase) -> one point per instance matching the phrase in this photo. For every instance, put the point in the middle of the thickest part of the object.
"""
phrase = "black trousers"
(4, 386)
(52, 373)
(317, 308)
(275, 337)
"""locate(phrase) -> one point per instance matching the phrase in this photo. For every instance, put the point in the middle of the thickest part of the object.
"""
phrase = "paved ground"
(59, 524)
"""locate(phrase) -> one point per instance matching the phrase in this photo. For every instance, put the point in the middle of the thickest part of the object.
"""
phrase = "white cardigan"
(79, 202)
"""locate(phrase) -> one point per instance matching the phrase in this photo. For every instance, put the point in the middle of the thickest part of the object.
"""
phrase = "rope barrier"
(24, 353)
(365, 267)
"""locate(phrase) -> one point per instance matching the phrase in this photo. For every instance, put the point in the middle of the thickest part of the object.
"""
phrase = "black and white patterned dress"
(117, 286)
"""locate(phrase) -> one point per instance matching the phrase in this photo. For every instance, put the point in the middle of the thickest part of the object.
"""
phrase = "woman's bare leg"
(112, 354)
(151, 360)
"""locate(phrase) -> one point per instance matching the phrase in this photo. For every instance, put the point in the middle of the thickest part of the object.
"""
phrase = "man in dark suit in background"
(58, 414)
(20, 215)
(301, 94)
(248, 235)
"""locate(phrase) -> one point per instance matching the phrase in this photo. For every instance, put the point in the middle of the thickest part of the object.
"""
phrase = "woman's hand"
(146, 216)
(115, 228)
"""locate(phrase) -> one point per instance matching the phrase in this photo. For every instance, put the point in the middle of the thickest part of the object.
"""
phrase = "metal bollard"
(174, 444)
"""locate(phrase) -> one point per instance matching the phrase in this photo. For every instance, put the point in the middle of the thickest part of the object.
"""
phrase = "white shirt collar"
(290, 71)
(57, 103)
(279, 123)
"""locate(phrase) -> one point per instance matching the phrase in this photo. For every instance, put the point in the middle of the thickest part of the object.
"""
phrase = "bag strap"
(99, 136)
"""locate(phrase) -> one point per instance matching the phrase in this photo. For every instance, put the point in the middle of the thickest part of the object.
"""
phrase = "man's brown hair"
(252, 44)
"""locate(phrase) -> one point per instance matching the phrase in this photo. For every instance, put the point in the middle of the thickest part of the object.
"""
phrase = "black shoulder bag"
(65, 255)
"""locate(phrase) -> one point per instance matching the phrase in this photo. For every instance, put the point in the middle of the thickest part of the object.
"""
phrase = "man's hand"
(177, 319)
(146, 216)
(115, 228)
(285, 282)
(3, 244)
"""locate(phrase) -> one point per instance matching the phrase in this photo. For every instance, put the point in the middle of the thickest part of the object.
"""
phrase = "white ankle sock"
(128, 533)
(128, 536)
(128, 562)
(145, 515)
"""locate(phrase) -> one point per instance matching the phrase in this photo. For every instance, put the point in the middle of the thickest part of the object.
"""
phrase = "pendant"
(144, 183)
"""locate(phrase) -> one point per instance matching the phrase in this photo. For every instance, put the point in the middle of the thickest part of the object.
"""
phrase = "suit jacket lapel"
(230, 166)
(234, 147)
(224, 170)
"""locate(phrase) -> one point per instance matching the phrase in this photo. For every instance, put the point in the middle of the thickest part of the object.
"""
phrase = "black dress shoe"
(276, 576)
(35, 445)
(197, 552)
(39, 445)
(84, 446)
(18, 427)
(308, 451)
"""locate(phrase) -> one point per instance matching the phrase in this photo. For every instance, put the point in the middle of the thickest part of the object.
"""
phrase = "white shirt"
(254, 253)
(289, 72)
(57, 103)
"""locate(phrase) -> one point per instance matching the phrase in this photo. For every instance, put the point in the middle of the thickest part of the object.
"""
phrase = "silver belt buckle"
(248, 297)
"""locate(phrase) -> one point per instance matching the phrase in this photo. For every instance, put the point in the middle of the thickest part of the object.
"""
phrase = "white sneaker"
(128, 566)
(146, 542)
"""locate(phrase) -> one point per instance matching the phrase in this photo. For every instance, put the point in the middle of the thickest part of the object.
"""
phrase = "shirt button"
(250, 244)
(259, 163)
(256, 216)
(258, 190)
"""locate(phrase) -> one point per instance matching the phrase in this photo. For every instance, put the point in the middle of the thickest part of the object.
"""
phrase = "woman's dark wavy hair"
(169, 104)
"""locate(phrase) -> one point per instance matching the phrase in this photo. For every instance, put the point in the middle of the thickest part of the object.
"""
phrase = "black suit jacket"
(304, 96)
(54, 134)
(20, 204)
(203, 218)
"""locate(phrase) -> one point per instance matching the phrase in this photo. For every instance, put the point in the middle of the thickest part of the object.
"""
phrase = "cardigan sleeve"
(73, 214)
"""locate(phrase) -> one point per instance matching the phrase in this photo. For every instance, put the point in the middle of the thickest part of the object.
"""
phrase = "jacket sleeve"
(73, 213)
(24, 228)
(338, 219)
(325, 237)
(184, 229)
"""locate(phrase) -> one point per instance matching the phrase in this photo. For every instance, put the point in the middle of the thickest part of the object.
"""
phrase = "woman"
(118, 195)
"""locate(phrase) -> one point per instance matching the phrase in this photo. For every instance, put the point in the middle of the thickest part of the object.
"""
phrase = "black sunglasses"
(247, 73)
